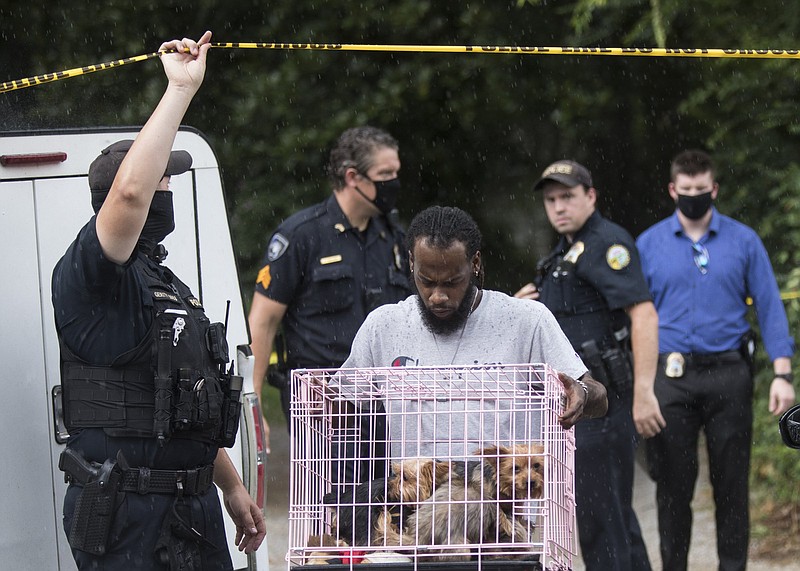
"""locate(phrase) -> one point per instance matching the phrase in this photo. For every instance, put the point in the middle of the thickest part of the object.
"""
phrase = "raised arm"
(123, 214)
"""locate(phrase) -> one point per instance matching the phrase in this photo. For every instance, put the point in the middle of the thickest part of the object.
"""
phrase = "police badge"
(675, 366)
(575, 252)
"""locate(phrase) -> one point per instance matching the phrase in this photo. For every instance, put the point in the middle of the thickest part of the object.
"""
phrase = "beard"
(456, 321)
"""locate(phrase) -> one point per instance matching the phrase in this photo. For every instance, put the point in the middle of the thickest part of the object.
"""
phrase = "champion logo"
(404, 361)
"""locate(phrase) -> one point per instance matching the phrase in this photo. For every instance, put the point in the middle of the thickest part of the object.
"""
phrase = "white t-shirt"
(501, 331)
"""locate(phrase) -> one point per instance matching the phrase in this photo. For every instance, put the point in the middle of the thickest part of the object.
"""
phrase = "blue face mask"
(694, 207)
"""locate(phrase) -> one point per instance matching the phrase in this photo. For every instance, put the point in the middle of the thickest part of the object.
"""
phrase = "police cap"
(568, 173)
(104, 168)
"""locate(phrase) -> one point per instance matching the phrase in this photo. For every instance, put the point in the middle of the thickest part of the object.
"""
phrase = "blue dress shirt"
(700, 290)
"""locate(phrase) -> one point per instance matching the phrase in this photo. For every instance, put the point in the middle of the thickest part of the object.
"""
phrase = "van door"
(42, 208)
(30, 525)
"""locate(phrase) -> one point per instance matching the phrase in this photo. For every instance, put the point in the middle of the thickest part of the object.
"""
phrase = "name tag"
(330, 259)
(164, 295)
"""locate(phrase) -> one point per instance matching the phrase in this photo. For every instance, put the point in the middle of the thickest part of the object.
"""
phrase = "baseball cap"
(568, 173)
(104, 168)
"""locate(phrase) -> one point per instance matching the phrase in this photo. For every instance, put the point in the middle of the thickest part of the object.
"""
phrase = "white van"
(44, 201)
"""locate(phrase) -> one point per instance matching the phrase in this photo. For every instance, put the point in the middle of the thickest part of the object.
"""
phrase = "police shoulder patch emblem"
(277, 246)
(618, 257)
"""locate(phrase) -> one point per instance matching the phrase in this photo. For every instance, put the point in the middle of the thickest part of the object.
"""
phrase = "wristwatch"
(788, 377)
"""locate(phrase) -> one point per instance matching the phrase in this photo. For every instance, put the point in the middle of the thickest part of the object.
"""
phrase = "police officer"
(592, 282)
(328, 266)
(148, 397)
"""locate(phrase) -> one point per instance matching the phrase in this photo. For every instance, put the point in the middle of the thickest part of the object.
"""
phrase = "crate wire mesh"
(403, 465)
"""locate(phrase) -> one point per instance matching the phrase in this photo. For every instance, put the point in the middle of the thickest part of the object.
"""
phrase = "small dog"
(414, 480)
(356, 509)
(474, 506)
(359, 507)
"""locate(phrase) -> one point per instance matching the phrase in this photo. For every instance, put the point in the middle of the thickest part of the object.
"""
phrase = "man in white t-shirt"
(452, 321)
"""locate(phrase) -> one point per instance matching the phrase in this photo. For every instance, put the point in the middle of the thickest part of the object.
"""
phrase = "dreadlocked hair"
(441, 226)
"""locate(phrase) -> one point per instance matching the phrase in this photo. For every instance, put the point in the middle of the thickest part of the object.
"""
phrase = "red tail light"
(33, 159)
(261, 452)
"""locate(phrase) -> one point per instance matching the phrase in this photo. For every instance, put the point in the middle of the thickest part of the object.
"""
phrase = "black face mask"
(160, 220)
(386, 192)
(694, 207)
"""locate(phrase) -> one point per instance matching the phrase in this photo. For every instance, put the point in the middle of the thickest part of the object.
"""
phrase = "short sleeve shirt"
(589, 282)
(501, 331)
(330, 275)
(98, 304)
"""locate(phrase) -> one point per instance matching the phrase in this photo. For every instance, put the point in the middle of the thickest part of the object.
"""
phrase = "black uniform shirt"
(99, 305)
(588, 283)
(101, 314)
(331, 275)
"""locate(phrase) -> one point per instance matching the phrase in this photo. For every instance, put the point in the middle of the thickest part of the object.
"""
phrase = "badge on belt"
(675, 366)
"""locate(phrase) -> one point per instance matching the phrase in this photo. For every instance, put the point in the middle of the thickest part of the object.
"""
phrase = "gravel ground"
(702, 554)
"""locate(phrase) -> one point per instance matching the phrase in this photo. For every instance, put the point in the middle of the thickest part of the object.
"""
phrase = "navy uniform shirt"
(99, 305)
(331, 275)
(588, 283)
(103, 311)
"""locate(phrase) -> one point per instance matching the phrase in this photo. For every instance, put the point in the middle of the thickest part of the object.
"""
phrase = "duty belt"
(148, 481)
(702, 360)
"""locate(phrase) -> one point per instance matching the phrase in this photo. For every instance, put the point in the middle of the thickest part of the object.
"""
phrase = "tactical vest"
(580, 309)
(174, 384)
(599, 335)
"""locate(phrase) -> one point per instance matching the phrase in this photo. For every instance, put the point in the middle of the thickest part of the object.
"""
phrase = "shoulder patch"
(618, 256)
(277, 246)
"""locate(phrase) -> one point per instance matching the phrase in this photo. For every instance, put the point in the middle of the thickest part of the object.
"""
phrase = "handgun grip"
(76, 467)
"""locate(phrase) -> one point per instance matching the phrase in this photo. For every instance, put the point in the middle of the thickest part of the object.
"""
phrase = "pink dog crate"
(359, 435)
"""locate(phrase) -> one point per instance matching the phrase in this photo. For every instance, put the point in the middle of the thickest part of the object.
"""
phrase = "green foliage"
(475, 130)
(744, 112)
(775, 468)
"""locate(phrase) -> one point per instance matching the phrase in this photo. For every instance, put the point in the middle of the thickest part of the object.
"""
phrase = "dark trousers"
(608, 529)
(136, 527)
(717, 399)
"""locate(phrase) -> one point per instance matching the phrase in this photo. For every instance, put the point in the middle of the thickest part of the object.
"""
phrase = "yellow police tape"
(785, 296)
(499, 50)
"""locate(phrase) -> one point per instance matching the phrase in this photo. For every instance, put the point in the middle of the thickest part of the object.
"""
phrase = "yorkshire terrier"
(475, 505)
(357, 510)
